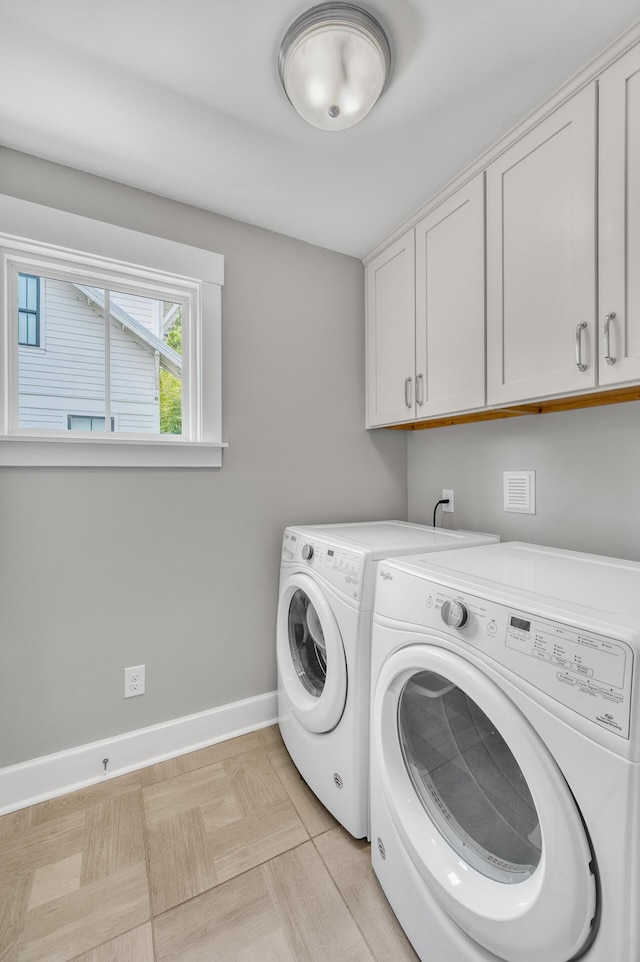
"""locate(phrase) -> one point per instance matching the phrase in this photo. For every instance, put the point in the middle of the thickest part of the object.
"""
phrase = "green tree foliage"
(171, 387)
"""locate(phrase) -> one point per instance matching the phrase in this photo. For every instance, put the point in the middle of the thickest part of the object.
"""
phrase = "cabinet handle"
(579, 329)
(420, 389)
(607, 338)
(407, 392)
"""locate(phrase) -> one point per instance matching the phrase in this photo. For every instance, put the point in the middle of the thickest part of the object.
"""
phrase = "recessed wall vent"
(520, 491)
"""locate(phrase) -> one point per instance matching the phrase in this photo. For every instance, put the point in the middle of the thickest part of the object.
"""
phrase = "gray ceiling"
(183, 99)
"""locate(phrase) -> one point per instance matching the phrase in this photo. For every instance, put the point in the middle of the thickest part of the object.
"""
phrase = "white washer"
(505, 754)
(323, 641)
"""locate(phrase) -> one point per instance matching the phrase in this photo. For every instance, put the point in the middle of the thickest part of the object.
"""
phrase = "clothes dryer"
(505, 753)
(323, 641)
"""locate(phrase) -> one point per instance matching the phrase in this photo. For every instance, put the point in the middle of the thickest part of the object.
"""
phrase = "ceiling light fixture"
(334, 64)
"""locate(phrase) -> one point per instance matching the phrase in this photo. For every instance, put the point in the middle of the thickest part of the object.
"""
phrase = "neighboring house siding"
(65, 375)
(143, 309)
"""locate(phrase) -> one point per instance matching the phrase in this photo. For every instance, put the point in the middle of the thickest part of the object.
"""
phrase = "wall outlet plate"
(448, 493)
(134, 681)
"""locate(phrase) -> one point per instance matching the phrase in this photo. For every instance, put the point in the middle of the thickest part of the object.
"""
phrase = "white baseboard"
(41, 778)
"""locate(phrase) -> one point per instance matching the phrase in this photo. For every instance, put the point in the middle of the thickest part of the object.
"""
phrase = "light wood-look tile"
(200, 759)
(79, 864)
(82, 920)
(16, 822)
(317, 921)
(287, 910)
(41, 845)
(14, 897)
(221, 840)
(83, 799)
(349, 862)
(180, 864)
(212, 823)
(133, 946)
(255, 838)
(58, 878)
(170, 797)
(113, 837)
(315, 817)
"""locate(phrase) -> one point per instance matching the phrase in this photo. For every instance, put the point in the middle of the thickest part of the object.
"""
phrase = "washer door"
(481, 807)
(311, 657)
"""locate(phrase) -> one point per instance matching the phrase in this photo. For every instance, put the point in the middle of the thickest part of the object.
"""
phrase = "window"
(86, 422)
(28, 310)
(130, 371)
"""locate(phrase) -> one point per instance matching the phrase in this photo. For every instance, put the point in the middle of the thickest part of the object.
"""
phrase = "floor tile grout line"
(343, 898)
(232, 878)
(147, 859)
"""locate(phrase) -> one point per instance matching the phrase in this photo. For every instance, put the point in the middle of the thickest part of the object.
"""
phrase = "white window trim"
(57, 240)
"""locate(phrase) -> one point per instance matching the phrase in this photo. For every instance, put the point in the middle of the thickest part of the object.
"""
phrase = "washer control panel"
(339, 566)
(587, 672)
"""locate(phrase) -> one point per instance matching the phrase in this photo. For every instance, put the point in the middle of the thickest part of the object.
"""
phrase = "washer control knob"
(454, 614)
(307, 552)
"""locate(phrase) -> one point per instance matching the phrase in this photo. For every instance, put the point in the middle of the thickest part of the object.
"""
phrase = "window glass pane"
(22, 327)
(68, 375)
(78, 423)
(307, 644)
(467, 779)
(32, 330)
(146, 364)
(22, 291)
(32, 294)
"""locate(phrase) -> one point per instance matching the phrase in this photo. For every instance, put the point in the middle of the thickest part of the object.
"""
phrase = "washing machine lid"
(381, 539)
(573, 583)
(481, 807)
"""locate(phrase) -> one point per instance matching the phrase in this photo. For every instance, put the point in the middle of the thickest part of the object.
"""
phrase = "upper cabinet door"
(541, 279)
(619, 221)
(450, 304)
(391, 334)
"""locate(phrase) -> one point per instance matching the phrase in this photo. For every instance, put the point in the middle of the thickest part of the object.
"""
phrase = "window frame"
(154, 267)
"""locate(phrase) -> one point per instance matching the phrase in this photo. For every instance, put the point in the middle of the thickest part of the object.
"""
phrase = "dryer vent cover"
(520, 491)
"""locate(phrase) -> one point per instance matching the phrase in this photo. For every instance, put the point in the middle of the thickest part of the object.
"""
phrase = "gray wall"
(177, 569)
(587, 465)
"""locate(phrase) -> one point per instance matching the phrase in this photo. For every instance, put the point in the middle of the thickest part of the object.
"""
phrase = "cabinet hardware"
(607, 338)
(579, 329)
(420, 389)
(407, 392)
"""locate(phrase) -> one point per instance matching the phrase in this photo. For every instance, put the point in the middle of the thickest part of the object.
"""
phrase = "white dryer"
(505, 754)
(323, 642)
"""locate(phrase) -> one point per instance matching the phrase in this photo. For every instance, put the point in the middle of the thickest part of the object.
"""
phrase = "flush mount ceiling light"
(334, 64)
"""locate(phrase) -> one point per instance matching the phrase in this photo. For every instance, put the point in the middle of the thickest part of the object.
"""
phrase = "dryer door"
(481, 807)
(311, 658)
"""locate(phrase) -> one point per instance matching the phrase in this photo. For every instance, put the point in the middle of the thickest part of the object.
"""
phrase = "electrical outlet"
(448, 493)
(134, 681)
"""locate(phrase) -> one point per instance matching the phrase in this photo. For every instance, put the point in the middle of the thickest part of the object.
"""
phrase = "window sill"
(39, 451)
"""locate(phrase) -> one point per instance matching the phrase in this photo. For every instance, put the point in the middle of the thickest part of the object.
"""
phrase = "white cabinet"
(425, 315)
(619, 221)
(541, 258)
(450, 304)
(390, 332)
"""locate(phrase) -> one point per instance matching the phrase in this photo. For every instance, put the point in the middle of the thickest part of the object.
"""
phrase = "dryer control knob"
(307, 552)
(454, 614)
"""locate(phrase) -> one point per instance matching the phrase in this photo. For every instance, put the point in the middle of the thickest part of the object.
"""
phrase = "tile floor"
(222, 855)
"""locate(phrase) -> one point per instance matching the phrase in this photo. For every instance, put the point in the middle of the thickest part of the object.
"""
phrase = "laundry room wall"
(587, 465)
(177, 569)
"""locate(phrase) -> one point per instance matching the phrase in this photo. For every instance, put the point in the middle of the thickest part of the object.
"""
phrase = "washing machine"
(323, 642)
(505, 754)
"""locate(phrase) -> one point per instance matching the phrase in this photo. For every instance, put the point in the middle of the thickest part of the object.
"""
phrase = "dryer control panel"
(587, 672)
(341, 567)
